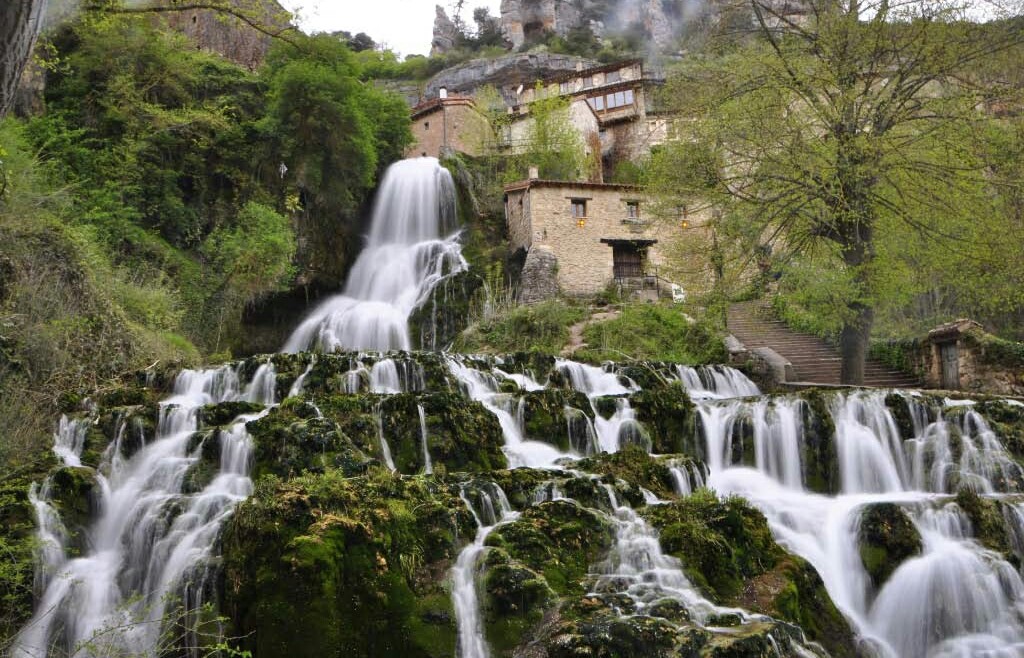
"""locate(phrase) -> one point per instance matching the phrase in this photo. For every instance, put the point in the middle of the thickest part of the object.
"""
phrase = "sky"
(405, 26)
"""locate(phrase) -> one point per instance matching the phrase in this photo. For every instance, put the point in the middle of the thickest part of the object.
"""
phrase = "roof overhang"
(629, 242)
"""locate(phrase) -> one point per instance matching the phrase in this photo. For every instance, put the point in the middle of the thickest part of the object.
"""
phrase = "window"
(564, 87)
(426, 125)
(597, 102)
(633, 209)
(579, 208)
(588, 82)
(629, 97)
(612, 76)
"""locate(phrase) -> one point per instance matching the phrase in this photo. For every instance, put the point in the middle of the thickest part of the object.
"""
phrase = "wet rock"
(670, 419)
(637, 468)
(887, 538)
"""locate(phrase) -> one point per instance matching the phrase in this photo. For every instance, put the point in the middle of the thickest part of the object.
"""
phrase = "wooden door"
(950, 357)
(628, 261)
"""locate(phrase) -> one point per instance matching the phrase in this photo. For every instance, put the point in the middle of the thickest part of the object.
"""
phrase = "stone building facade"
(621, 96)
(953, 357)
(597, 234)
(447, 125)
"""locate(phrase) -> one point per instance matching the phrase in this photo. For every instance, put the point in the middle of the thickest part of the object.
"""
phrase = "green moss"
(225, 412)
(329, 565)
(540, 328)
(288, 444)
(670, 419)
(636, 467)
(515, 599)
(819, 460)
(987, 521)
(547, 414)
(558, 539)
(887, 538)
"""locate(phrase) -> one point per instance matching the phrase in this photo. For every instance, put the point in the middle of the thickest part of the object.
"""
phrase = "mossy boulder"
(637, 468)
(331, 565)
(224, 413)
(288, 442)
(548, 416)
(1007, 421)
(670, 419)
(73, 494)
(728, 551)
(558, 539)
(513, 601)
(987, 522)
(819, 460)
(886, 539)
(462, 435)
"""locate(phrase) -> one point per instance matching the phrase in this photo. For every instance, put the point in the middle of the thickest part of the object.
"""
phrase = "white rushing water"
(148, 549)
(956, 598)
(494, 511)
(412, 247)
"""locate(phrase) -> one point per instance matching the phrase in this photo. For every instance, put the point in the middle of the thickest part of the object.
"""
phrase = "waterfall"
(149, 546)
(621, 428)
(954, 599)
(428, 466)
(716, 382)
(495, 510)
(412, 247)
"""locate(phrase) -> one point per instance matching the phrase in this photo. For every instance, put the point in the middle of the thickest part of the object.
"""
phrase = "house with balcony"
(577, 238)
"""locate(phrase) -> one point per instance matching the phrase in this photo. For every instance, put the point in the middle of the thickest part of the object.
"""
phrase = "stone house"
(622, 98)
(953, 357)
(579, 237)
(446, 125)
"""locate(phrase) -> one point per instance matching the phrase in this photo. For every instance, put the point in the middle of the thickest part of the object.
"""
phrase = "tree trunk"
(853, 344)
(20, 22)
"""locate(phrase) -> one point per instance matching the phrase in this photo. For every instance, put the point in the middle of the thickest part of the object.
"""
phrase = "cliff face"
(445, 33)
(503, 72)
(526, 20)
(229, 36)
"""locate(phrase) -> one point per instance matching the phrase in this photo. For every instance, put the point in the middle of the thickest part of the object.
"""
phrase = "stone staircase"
(814, 360)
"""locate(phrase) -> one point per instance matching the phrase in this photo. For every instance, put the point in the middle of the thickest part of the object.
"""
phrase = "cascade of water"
(151, 541)
(637, 567)
(716, 382)
(494, 511)
(411, 248)
(385, 449)
(956, 598)
(428, 466)
(384, 377)
(621, 428)
(300, 382)
(483, 387)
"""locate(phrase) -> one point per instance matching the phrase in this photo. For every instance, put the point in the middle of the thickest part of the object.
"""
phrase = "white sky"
(405, 26)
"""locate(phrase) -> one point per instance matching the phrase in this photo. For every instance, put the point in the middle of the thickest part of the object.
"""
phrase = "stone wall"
(980, 362)
(506, 73)
(585, 264)
(467, 130)
(517, 217)
(224, 34)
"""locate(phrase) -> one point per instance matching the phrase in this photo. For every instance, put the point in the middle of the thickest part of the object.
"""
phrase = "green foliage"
(653, 332)
(552, 144)
(542, 327)
(256, 254)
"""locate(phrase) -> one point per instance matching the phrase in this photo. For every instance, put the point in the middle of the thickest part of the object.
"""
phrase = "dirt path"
(576, 330)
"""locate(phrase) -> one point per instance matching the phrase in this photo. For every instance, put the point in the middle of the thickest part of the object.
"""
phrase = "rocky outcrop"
(527, 21)
(539, 280)
(506, 73)
(445, 33)
(228, 36)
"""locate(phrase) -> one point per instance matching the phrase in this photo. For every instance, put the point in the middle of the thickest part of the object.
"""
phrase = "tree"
(836, 128)
(20, 22)
(552, 144)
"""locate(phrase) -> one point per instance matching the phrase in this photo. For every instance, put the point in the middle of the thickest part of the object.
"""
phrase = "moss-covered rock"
(329, 565)
(727, 550)
(289, 442)
(558, 539)
(548, 416)
(73, 494)
(223, 413)
(887, 538)
(987, 522)
(670, 419)
(514, 600)
(637, 468)
(818, 458)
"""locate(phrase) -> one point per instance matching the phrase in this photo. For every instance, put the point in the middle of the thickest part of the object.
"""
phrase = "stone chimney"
(534, 172)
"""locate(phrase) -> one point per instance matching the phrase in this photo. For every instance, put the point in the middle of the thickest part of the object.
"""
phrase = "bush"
(655, 332)
(541, 328)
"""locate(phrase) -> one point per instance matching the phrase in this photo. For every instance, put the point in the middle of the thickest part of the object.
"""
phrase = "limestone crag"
(445, 33)
(229, 36)
(506, 72)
